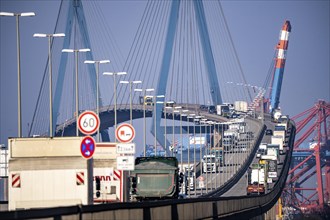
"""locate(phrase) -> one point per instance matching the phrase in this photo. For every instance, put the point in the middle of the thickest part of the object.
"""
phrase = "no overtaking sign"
(125, 133)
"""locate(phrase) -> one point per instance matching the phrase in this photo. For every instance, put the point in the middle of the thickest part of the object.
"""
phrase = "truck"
(240, 106)
(256, 179)
(283, 119)
(106, 184)
(146, 100)
(155, 178)
(189, 179)
(218, 152)
(193, 142)
(272, 152)
(261, 150)
(48, 172)
(238, 125)
(279, 131)
(223, 110)
(107, 179)
(211, 109)
(276, 114)
(231, 133)
(211, 163)
(230, 139)
(272, 169)
(285, 124)
(278, 140)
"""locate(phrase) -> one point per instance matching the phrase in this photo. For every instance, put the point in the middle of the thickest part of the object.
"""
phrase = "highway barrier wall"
(196, 208)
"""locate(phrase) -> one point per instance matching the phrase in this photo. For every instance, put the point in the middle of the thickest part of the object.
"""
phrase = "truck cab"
(210, 163)
(256, 179)
(189, 179)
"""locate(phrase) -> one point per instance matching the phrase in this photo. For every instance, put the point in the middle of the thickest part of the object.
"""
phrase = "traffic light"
(133, 184)
(98, 186)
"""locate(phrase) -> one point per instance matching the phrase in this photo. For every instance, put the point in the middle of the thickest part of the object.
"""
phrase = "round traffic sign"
(125, 133)
(88, 122)
(87, 147)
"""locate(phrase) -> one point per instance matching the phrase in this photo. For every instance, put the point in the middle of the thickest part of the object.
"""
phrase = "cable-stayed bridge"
(180, 60)
(184, 51)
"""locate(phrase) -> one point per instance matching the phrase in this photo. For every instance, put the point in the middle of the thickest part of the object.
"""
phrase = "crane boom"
(281, 48)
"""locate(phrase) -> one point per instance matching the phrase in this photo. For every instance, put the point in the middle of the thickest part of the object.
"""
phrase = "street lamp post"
(223, 153)
(189, 169)
(144, 116)
(180, 112)
(173, 130)
(209, 123)
(97, 62)
(204, 122)
(76, 51)
(130, 96)
(201, 119)
(50, 37)
(17, 15)
(155, 103)
(165, 135)
(218, 154)
(115, 92)
(194, 120)
(216, 158)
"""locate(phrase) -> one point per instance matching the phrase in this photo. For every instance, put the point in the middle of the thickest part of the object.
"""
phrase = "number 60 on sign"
(88, 122)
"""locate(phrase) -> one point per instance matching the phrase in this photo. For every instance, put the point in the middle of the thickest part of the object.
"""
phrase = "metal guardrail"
(136, 108)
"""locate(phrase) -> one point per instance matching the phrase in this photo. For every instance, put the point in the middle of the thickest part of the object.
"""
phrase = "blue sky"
(254, 26)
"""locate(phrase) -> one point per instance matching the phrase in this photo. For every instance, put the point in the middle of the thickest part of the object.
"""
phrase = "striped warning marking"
(16, 180)
(80, 180)
(117, 174)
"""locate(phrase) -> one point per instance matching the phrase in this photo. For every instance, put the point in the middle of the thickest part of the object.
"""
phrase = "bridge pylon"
(167, 53)
(75, 19)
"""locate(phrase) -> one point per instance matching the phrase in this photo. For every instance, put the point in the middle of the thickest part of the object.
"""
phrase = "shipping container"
(256, 179)
(272, 153)
(106, 185)
(272, 169)
(223, 110)
(240, 106)
(211, 163)
(278, 140)
(48, 172)
(108, 180)
(155, 178)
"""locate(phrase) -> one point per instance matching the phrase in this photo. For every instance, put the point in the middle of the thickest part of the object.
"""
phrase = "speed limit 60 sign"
(88, 122)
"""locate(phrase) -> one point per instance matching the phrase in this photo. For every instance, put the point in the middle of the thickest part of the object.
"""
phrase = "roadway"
(239, 189)
(234, 159)
(197, 208)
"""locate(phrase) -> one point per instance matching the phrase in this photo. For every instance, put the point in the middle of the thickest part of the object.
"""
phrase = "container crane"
(281, 50)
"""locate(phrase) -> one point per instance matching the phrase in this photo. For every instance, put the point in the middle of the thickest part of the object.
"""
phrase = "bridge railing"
(245, 164)
(196, 208)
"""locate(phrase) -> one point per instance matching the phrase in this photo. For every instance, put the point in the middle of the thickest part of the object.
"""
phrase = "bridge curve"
(68, 128)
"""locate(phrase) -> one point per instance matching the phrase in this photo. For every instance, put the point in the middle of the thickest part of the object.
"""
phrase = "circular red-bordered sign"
(87, 147)
(88, 122)
(125, 133)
